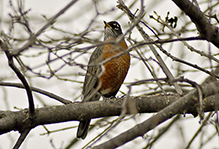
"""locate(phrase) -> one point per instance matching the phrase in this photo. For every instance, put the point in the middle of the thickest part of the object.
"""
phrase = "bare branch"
(42, 51)
(49, 23)
(164, 114)
(207, 30)
(21, 138)
(111, 107)
(200, 128)
(146, 37)
(38, 90)
(4, 47)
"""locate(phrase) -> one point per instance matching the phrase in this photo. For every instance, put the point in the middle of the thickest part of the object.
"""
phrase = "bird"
(105, 81)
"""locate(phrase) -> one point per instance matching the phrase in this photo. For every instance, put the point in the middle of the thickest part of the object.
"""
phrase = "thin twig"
(162, 132)
(146, 37)
(149, 69)
(85, 49)
(198, 131)
(38, 90)
(140, 129)
(4, 47)
(205, 28)
(21, 138)
(200, 94)
(50, 22)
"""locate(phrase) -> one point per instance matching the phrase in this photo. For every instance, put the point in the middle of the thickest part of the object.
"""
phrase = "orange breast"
(115, 69)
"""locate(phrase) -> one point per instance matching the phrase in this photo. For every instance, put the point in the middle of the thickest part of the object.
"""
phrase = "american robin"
(105, 81)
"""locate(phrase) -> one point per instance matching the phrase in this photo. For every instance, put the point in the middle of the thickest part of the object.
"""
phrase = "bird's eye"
(116, 25)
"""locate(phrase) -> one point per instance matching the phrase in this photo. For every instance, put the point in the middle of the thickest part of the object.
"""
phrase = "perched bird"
(105, 81)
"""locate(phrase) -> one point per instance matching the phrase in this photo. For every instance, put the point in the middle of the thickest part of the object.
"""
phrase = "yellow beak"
(106, 24)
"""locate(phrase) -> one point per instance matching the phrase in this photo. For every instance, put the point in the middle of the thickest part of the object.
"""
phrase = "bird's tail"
(83, 129)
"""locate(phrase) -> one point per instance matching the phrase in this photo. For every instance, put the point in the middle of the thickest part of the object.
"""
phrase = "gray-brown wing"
(92, 75)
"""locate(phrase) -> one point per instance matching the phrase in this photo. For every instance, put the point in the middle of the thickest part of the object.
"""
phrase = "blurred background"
(56, 63)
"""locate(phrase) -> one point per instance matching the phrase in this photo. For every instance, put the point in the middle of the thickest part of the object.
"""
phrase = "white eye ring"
(117, 25)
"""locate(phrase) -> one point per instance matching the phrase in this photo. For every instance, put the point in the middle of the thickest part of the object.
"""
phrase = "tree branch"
(146, 37)
(205, 28)
(50, 22)
(38, 90)
(140, 129)
(10, 57)
(110, 107)
(21, 138)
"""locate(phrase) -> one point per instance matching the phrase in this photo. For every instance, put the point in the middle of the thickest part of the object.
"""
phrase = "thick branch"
(111, 107)
(206, 29)
(140, 129)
